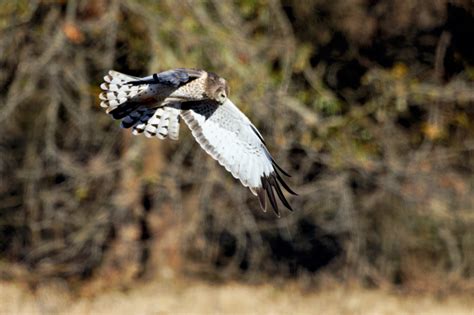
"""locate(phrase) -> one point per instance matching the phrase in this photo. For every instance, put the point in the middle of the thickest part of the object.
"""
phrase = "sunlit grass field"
(198, 297)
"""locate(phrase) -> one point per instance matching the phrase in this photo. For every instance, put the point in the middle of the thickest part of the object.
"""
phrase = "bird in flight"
(153, 106)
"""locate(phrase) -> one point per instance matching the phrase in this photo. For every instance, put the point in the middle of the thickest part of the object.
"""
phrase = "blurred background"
(368, 104)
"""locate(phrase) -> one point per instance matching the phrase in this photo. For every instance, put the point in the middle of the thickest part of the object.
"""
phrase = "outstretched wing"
(226, 134)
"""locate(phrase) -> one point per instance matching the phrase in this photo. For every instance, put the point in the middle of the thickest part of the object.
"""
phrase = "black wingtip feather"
(261, 199)
(270, 183)
(274, 163)
(280, 194)
(271, 196)
(285, 185)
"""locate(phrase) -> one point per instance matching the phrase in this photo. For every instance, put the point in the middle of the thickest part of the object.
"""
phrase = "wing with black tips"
(226, 134)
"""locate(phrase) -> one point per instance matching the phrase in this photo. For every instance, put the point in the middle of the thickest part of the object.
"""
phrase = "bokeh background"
(368, 104)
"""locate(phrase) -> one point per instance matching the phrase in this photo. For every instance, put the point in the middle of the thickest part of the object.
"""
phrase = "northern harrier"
(152, 105)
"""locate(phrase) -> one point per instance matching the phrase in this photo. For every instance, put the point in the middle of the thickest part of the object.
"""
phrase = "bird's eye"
(222, 97)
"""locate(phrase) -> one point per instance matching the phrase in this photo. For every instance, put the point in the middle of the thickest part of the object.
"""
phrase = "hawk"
(153, 106)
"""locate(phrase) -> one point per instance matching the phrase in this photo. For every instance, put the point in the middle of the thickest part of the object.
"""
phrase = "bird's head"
(217, 88)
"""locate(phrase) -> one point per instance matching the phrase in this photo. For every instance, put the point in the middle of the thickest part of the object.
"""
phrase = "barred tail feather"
(131, 104)
(117, 92)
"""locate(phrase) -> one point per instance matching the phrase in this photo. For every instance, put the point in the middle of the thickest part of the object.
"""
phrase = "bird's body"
(152, 105)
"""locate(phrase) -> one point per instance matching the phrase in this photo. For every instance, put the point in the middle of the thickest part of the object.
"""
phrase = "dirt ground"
(196, 297)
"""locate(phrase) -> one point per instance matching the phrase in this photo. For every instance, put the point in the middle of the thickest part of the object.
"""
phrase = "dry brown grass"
(196, 297)
(368, 104)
